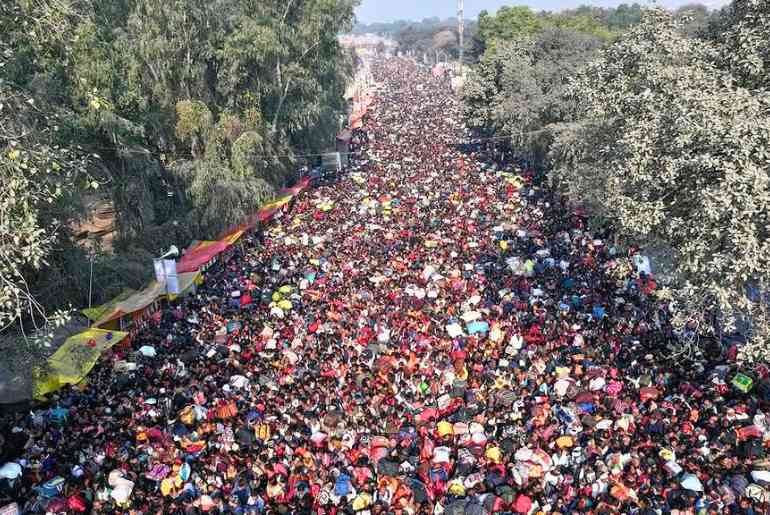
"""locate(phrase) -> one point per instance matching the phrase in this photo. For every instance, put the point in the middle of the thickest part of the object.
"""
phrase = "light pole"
(91, 255)
(461, 31)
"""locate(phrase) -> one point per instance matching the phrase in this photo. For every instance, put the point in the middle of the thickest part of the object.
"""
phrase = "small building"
(343, 146)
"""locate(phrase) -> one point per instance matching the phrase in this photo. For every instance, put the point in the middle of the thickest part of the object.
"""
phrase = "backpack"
(263, 432)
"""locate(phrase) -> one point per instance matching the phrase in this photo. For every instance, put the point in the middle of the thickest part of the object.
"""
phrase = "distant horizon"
(378, 11)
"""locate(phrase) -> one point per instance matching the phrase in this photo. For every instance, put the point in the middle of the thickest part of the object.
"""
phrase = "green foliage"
(193, 122)
(582, 24)
(623, 17)
(508, 24)
(695, 19)
(194, 108)
(38, 179)
(520, 22)
(676, 155)
(745, 45)
(431, 25)
(420, 38)
(663, 134)
(246, 154)
(517, 88)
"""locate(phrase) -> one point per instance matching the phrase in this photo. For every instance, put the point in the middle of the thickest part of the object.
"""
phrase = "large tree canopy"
(664, 133)
(673, 150)
(745, 45)
(186, 113)
(518, 87)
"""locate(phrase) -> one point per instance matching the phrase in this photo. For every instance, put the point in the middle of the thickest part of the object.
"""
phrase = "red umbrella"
(747, 432)
(523, 504)
(648, 393)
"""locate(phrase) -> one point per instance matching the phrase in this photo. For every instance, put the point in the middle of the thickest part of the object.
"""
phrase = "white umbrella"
(148, 351)
(454, 330)
(239, 381)
(10, 470)
(691, 482)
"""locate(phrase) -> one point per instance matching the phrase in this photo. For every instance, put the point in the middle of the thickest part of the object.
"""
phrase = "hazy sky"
(390, 10)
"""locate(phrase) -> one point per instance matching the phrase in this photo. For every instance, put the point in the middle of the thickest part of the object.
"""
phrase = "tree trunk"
(280, 105)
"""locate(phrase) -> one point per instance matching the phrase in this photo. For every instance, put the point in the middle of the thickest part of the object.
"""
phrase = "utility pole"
(461, 31)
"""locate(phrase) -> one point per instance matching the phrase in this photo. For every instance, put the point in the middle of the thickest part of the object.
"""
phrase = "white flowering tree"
(38, 179)
(676, 152)
(744, 42)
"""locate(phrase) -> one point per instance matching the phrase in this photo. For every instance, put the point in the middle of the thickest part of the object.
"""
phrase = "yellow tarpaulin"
(136, 302)
(97, 312)
(74, 360)
(232, 238)
(131, 300)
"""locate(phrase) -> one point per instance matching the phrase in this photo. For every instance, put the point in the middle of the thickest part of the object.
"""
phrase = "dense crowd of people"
(437, 332)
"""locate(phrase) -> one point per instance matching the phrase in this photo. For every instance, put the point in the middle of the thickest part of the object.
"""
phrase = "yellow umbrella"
(457, 489)
(444, 428)
(493, 454)
(167, 486)
(362, 501)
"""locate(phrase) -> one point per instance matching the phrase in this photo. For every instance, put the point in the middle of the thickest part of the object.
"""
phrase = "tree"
(675, 154)
(624, 16)
(236, 169)
(416, 38)
(39, 178)
(744, 43)
(580, 23)
(695, 18)
(517, 89)
(518, 23)
(508, 24)
(194, 107)
(446, 39)
(39, 172)
(285, 56)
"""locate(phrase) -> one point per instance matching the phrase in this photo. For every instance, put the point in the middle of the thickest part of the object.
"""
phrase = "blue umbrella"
(478, 327)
